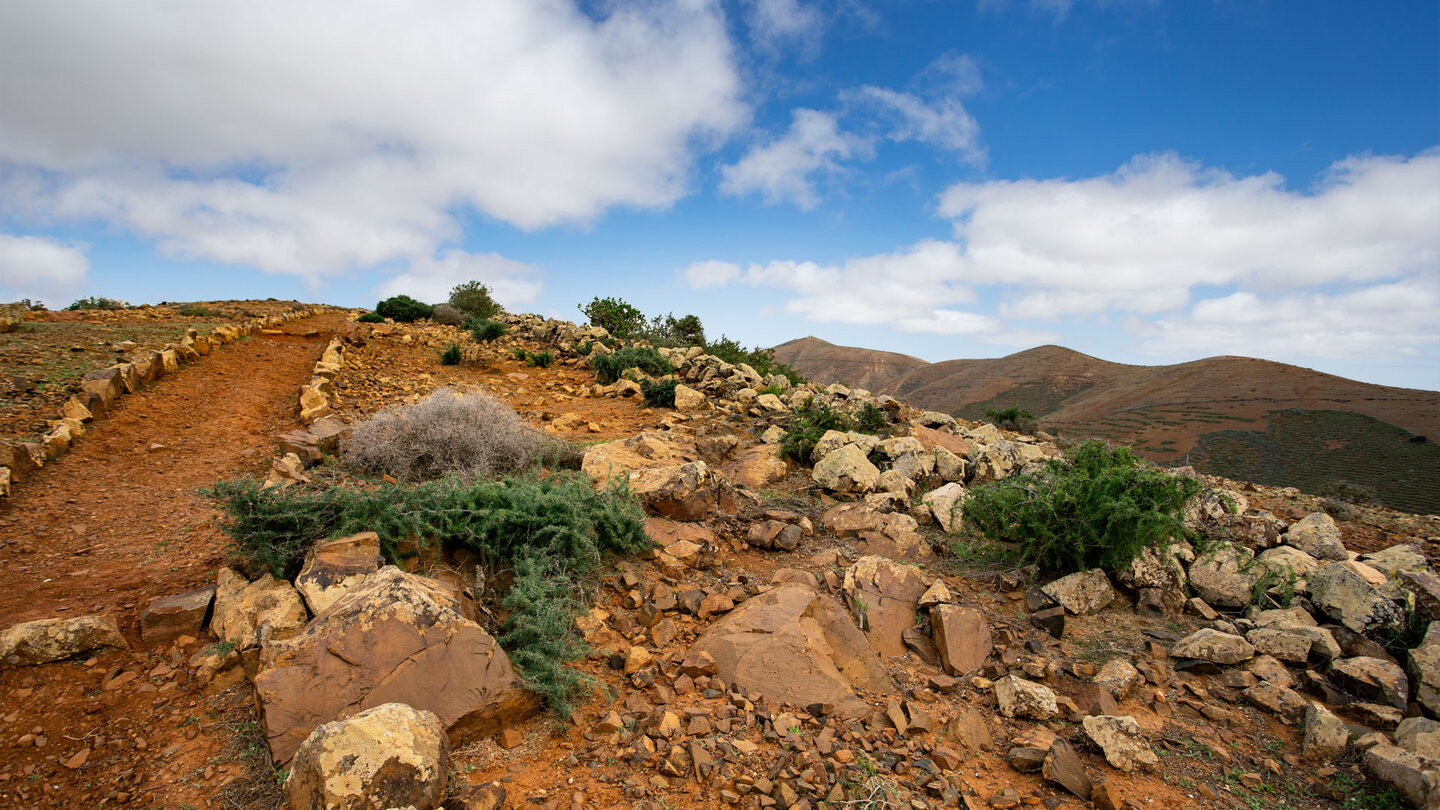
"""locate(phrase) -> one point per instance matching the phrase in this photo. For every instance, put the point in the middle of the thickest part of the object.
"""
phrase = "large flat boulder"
(884, 596)
(397, 638)
(336, 566)
(796, 647)
(388, 756)
(46, 640)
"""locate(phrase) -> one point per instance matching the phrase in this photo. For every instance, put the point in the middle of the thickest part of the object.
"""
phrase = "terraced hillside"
(1217, 413)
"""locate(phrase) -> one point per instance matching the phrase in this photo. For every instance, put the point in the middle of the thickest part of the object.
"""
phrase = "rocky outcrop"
(796, 647)
(884, 596)
(46, 640)
(397, 638)
(336, 566)
(387, 756)
(246, 612)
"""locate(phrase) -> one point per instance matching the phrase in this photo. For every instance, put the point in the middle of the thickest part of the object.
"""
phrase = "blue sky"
(1144, 181)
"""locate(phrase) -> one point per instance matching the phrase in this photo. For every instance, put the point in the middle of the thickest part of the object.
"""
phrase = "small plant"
(97, 302)
(871, 419)
(370, 317)
(614, 316)
(443, 433)
(1016, 419)
(403, 309)
(659, 394)
(609, 368)
(540, 359)
(1097, 508)
(451, 355)
(808, 424)
(519, 354)
(584, 348)
(484, 330)
(473, 299)
(770, 389)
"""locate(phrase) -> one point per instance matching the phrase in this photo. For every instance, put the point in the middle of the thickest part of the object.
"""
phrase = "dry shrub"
(447, 432)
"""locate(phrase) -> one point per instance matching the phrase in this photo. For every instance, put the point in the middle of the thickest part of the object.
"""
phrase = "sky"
(1145, 181)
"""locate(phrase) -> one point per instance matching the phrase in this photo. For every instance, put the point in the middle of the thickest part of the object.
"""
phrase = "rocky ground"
(802, 636)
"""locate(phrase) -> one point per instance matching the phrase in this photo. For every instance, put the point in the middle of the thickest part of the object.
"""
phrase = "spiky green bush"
(484, 330)
(659, 394)
(609, 368)
(97, 302)
(615, 316)
(473, 298)
(808, 424)
(451, 355)
(1098, 507)
(403, 309)
(548, 534)
(370, 317)
(540, 359)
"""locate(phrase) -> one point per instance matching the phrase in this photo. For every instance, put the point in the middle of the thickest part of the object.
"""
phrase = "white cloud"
(1141, 239)
(320, 137)
(952, 74)
(944, 123)
(1381, 321)
(40, 268)
(779, 26)
(782, 170)
(513, 284)
(1349, 269)
(710, 274)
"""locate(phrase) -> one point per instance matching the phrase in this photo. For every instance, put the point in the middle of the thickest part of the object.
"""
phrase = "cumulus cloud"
(943, 123)
(512, 284)
(40, 268)
(781, 26)
(710, 274)
(320, 137)
(1196, 261)
(784, 170)
(1142, 238)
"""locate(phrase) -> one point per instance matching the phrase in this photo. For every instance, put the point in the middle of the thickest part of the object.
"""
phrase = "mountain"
(1248, 419)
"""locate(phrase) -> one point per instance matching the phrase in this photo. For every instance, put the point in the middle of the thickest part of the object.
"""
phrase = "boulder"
(755, 467)
(1398, 559)
(1326, 735)
(1372, 679)
(1121, 740)
(1290, 705)
(888, 534)
(387, 756)
(168, 617)
(1064, 767)
(1214, 646)
(1118, 677)
(1286, 645)
(688, 400)
(774, 535)
(961, 636)
(396, 638)
(1344, 594)
(245, 611)
(1405, 772)
(1225, 576)
(947, 505)
(1292, 565)
(46, 640)
(1424, 669)
(796, 647)
(950, 467)
(19, 460)
(1081, 593)
(680, 492)
(641, 452)
(1021, 698)
(1157, 567)
(884, 596)
(846, 470)
(1318, 535)
(336, 566)
(834, 440)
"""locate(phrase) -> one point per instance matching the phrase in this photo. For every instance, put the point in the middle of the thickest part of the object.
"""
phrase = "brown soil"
(101, 530)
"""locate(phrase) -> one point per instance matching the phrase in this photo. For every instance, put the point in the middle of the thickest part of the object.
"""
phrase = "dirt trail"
(111, 524)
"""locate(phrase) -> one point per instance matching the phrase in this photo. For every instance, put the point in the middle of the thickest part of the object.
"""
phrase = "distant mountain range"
(1248, 419)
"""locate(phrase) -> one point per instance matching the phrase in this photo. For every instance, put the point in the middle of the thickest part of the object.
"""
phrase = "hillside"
(1239, 417)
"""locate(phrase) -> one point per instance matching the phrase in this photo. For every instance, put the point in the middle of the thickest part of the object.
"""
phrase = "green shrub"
(871, 419)
(540, 359)
(762, 360)
(484, 330)
(659, 394)
(473, 298)
(451, 355)
(370, 317)
(548, 534)
(609, 368)
(808, 424)
(1097, 508)
(519, 354)
(403, 309)
(97, 302)
(770, 389)
(674, 332)
(1016, 419)
(443, 433)
(614, 316)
